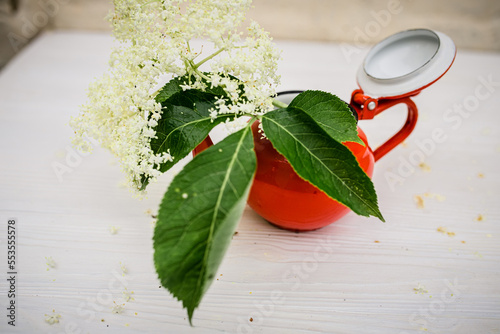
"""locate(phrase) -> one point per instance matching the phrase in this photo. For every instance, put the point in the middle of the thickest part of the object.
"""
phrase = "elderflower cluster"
(154, 47)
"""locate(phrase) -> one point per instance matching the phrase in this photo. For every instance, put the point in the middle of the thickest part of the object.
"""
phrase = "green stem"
(201, 62)
(195, 70)
(279, 104)
(202, 75)
(149, 2)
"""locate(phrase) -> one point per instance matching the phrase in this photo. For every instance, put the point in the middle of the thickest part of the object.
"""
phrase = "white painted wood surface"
(357, 275)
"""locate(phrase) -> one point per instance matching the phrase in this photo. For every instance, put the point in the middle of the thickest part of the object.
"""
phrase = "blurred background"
(471, 24)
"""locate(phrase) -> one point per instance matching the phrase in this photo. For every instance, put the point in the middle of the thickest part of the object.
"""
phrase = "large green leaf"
(185, 121)
(331, 113)
(198, 216)
(321, 160)
(184, 124)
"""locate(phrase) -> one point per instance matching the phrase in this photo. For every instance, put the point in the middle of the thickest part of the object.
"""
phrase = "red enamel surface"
(280, 196)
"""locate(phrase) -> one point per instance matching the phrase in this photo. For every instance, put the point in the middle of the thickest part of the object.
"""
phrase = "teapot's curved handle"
(367, 108)
(404, 132)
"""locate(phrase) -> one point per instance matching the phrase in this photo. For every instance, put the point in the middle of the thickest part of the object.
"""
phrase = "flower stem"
(195, 70)
(149, 2)
(201, 62)
(279, 104)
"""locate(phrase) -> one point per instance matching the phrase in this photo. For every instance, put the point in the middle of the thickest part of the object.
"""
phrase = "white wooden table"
(357, 275)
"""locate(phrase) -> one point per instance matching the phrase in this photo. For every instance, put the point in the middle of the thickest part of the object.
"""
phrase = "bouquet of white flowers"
(161, 98)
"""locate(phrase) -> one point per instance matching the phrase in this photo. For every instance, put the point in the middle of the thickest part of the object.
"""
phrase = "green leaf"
(198, 216)
(172, 87)
(331, 113)
(184, 124)
(321, 160)
(185, 121)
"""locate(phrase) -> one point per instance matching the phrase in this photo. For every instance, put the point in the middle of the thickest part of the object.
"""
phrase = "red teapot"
(394, 70)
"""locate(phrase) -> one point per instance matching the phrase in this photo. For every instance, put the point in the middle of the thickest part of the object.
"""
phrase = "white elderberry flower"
(213, 114)
(52, 318)
(127, 295)
(113, 229)
(261, 131)
(185, 87)
(420, 289)
(121, 112)
(49, 261)
(236, 124)
(123, 269)
(117, 308)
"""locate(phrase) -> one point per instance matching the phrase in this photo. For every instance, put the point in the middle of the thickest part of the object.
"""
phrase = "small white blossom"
(185, 87)
(235, 125)
(117, 308)
(113, 229)
(124, 269)
(420, 289)
(261, 131)
(213, 114)
(127, 295)
(52, 318)
(49, 261)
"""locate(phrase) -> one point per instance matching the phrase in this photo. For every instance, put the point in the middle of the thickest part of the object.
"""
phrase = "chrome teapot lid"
(405, 63)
